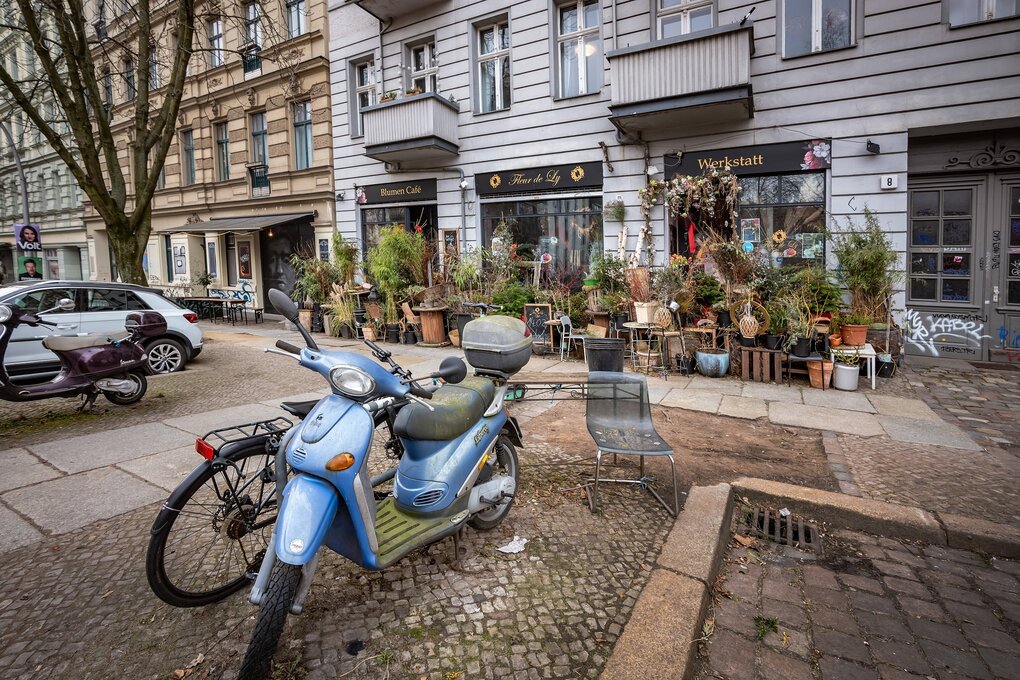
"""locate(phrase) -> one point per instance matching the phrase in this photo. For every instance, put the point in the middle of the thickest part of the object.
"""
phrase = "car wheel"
(166, 356)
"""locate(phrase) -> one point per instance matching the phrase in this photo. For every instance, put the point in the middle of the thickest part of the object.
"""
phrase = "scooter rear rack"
(225, 435)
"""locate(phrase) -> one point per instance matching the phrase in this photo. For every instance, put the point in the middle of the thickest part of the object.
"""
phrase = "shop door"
(1004, 271)
(276, 246)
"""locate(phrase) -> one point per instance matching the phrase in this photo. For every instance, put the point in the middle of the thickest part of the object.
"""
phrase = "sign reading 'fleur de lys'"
(531, 180)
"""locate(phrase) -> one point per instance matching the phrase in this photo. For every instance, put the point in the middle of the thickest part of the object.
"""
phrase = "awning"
(238, 225)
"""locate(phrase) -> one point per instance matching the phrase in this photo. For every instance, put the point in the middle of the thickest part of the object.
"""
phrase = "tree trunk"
(128, 248)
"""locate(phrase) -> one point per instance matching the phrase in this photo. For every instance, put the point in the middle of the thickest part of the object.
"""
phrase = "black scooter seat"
(457, 408)
(299, 408)
(66, 343)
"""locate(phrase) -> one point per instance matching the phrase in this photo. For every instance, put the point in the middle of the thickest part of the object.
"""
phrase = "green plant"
(614, 211)
(770, 282)
(512, 298)
(735, 266)
(764, 625)
(867, 263)
(707, 290)
(673, 283)
(388, 96)
(778, 316)
(395, 264)
(577, 309)
(822, 294)
(615, 303)
(203, 280)
(846, 358)
(345, 258)
(852, 318)
(610, 271)
(314, 278)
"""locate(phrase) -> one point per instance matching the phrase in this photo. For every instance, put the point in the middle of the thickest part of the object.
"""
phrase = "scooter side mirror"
(453, 370)
(284, 305)
(66, 304)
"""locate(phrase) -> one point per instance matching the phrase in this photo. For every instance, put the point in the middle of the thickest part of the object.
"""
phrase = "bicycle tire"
(230, 520)
(272, 617)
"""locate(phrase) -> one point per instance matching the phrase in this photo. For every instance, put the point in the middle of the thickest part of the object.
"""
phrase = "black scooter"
(90, 365)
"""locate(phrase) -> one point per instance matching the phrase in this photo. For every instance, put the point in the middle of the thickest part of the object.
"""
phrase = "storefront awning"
(238, 225)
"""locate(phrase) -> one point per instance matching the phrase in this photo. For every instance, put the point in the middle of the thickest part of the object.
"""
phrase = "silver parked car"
(99, 308)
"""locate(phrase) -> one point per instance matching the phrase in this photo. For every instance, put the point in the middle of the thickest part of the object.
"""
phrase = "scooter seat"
(457, 408)
(301, 409)
(66, 343)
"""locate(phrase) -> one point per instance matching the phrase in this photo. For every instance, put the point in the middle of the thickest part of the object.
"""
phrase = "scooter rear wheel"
(141, 384)
(505, 464)
(280, 594)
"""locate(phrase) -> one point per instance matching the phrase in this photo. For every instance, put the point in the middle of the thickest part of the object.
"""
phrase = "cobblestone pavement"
(78, 606)
(868, 608)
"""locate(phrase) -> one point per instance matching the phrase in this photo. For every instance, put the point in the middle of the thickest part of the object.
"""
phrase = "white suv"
(99, 308)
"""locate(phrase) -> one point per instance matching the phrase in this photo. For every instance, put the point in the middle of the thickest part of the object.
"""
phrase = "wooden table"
(433, 326)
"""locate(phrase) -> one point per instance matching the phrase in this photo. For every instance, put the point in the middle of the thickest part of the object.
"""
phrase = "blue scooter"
(459, 465)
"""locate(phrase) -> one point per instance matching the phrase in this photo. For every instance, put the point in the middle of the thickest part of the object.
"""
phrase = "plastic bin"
(604, 354)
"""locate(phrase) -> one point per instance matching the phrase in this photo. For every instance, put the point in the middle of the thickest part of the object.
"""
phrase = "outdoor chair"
(568, 337)
(620, 421)
(411, 321)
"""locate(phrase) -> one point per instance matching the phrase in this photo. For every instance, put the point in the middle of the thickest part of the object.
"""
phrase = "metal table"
(652, 333)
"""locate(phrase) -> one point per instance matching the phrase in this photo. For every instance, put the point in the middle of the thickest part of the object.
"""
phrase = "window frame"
(988, 10)
(302, 128)
(214, 34)
(941, 250)
(130, 86)
(297, 18)
(371, 88)
(683, 10)
(580, 34)
(816, 30)
(430, 73)
(154, 79)
(254, 144)
(230, 255)
(222, 145)
(107, 83)
(188, 164)
(496, 56)
(252, 24)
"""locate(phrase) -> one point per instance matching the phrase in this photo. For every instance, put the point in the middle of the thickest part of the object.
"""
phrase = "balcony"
(388, 9)
(259, 179)
(418, 130)
(699, 77)
(252, 60)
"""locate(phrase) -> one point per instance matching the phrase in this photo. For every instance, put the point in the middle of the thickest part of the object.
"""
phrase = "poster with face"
(27, 236)
(29, 268)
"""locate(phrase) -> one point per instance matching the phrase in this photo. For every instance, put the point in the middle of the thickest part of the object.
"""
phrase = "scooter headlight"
(5, 313)
(352, 382)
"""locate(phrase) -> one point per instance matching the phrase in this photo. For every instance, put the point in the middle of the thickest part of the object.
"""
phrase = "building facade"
(538, 113)
(248, 179)
(54, 197)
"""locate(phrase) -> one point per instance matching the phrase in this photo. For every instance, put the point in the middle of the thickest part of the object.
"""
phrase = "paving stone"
(944, 658)
(693, 400)
(730, 655)
(959, 594)
(819, 577)
(742, 407)
(827, 598)
(898, 406)
(716, 385)
(835, 620)
(822, 418)
(789, 640)
(201, 423)
(890, 673)
(772, 590)
(899, 655)
(91, 451)
(866, 583)
(785, 613)
(872, 603)
(1003, 664)
(908, 587)
(939, 632)
(166, 469)
(772, 392)
(965, 613)
(883, 625)
(736, 616)
(841, 645)
(926, 432)
(776, 666)
(838, 669)
(923, 608)
(990, 637)
(22, 468)
(15, 532)
(837, 399)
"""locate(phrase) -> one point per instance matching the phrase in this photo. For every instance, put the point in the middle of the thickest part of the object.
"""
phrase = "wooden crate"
(761, 365)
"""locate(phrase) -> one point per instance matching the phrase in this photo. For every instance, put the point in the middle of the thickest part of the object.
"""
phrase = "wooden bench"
(761, 365)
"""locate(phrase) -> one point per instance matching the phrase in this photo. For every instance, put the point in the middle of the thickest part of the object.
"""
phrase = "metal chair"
(620, 421)
(567, 336)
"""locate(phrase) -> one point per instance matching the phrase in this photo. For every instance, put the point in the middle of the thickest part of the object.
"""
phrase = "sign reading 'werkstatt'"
(549, 178)
(397, 192)
(765, 159)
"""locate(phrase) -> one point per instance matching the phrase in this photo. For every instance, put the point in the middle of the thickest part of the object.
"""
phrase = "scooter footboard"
(309, 506)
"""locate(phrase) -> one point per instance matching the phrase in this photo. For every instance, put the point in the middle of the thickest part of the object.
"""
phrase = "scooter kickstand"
(459, 550)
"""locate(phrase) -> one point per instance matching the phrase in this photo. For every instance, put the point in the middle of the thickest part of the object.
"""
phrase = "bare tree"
(72, 49)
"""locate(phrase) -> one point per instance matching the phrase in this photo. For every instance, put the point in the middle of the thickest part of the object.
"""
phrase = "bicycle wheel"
(209, 542)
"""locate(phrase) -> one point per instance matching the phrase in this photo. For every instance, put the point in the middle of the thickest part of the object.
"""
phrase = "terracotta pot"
(835, 340)
(854, 334)
(819, 373)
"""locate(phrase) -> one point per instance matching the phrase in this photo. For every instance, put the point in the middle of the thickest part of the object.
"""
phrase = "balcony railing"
(251, 59)
(681, 80)
(259, 177)
(412, 130)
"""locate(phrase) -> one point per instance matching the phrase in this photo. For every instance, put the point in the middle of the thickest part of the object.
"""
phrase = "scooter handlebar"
(287, 347)
(420, 392)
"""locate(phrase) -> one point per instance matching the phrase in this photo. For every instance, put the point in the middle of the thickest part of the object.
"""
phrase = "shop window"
(363, 76)
(302, 135)
(423, 70)
(942, 262)
(222, 152)
(816, 26)
(210, 258)
(680, 17)
(784, 216)
(419, 218)
(231, 256)
(494, 66)
(579, 48)
(566, 230)
(1013, 257)
(963, 12)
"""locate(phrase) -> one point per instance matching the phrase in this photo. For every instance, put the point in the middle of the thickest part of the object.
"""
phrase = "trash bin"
(604, 354)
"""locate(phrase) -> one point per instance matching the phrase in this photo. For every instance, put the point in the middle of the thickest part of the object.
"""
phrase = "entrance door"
(276, 246)
(1004, 271)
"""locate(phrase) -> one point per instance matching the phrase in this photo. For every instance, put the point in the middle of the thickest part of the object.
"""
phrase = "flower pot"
(317, 319)
(369, 333)
(835, 340)
(345, 331)
(772, 341)
(819, 373)
(885, 367)
(591, 283)
(713, 363)
(854, 334)
(845, 377)
(617, 320)
(748, 342)
(305, 318)
(462, 320)
(723, 320)
(644, 312)
(393, 333)
(802, 347)
(408, 338)
(454, 337)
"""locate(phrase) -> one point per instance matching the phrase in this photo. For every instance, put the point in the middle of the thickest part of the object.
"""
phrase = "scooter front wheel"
(280, 594)
(125, 399)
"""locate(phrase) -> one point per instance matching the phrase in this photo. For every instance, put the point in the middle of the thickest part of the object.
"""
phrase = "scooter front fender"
(309, 506)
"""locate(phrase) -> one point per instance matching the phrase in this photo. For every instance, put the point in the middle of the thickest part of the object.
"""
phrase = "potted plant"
(341, 312)
(779, 321)
(722, 314)
(847, 372)
(823, 296)
(867, 269)
(819, 373)
(853, 327)
(645, 308)
(388, 96)
(802, 326)
(395, 263)
(614, 211)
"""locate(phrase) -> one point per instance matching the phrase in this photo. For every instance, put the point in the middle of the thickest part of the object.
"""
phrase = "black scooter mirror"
(66, 304)
(283, 304)
(452, 370)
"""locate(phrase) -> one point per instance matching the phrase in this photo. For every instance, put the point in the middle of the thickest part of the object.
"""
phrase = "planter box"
(644, 312)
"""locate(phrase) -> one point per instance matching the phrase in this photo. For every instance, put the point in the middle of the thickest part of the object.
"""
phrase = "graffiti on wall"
(944, 334)
(246, 292)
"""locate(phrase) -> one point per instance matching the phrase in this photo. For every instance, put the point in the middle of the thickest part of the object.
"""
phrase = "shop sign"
(397, 192)
(765, 159)
(532, 180)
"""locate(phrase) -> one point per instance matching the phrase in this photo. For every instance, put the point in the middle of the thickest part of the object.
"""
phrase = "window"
(680, 17)
(215, 32)
(816, 26)
(252, 24)
(231, 252)
(40, 300)
(364, 94)
(210, 258)
(302, 135)
(961, 12)
(324, 249)
(941, 245)
(188, 157)
(792, 206)
(259, 141)
(579, 48)
(373, 220)
(222, 152)
(130, 90)
(107, 90)
(424, 72)
(168, 254)
(297, 18)
(1013, 264)
(494, 67)
(112, 300)
(153, 68)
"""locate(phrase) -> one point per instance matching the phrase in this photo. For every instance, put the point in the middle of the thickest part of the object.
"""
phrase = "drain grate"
(788, 530)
